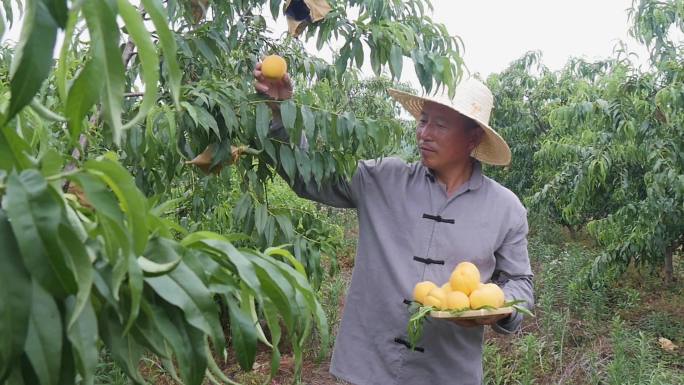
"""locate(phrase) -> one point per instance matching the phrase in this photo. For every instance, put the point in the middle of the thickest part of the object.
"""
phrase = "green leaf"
(269, 231)
(288, 113)
(260, 217)
(135, 286)
(83, 94)
(275, 8)
(160, 257)
(396, 60)
(123, 348)
(83, 337)
(273, 322)
(59, 11)
(147, 55)
(276, 287)
(104, 37)
(357, 48)
(270, 150)
(33, 56)
(44, 339)
(15, 299)
(288, 256)
(317, 169)
(375, 60)
(288, 162)
(285, 226)
(300, 282)
(309, 123)
(187, 342)
(229, 253)
(45, 112)
(242, 207)
(151, 268)
(67, 372)
(263, 118)
(243, 334)
(99, 196)
(168, 43)
(13, 150)
(303, 165)
(207, 121)
(75, 252)
(343, 59)
(35, 214)
(182, 288)
(131, 199)
(146, 330)
(62, 63)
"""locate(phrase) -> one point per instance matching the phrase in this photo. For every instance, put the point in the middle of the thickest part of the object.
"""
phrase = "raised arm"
(336, 192)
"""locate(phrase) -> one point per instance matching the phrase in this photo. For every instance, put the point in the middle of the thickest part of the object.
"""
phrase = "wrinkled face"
(445, 138)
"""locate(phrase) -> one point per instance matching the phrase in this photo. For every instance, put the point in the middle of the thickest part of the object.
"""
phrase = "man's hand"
(479, 321)
(276, 89)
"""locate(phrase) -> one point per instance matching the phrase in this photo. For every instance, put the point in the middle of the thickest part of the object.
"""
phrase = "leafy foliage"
(600, 144)
(109, 239)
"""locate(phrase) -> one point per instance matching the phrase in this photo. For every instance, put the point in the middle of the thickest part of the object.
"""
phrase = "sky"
(496, 32)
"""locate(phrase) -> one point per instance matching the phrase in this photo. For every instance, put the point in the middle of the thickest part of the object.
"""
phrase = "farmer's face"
(445, 138)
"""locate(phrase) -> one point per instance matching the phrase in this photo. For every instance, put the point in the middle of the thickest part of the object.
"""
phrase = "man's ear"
(476, 138)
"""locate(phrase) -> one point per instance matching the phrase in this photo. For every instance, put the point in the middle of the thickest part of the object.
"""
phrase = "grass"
(606, 334)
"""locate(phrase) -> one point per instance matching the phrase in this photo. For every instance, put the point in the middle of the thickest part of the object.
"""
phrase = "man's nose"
(426, 131)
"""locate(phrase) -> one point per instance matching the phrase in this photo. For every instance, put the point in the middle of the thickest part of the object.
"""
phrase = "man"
(416, 222)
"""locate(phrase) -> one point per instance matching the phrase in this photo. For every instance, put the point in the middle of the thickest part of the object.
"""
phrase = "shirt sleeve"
(336, 192)
(514, 274)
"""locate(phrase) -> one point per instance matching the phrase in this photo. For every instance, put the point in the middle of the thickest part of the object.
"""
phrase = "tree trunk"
(669, 267)
(669, 260)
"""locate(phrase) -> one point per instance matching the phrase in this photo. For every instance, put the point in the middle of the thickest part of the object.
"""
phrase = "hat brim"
(492, 150)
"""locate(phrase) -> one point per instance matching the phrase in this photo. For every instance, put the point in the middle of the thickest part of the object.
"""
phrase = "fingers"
(287, 81)
(261, 87)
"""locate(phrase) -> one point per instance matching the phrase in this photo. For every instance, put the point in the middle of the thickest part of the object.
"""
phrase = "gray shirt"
(410, 231)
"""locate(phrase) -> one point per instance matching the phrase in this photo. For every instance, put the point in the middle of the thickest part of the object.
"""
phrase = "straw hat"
(474, 100)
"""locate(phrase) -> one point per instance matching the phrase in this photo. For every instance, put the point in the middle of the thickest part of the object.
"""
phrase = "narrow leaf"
(396, 60)
(288, 162)
(160, 20)
(288, 113)
(35, 214)
(83, 337)
(243, 333)
(44, 339)
(125, 351)
(182, 288)
(75, 252)
(33, 56)
(15, 299)
(309, 122)
(131, 199)
(263, 117)
(104, 36)
(83, 94)
(147, 55)
(260, 217)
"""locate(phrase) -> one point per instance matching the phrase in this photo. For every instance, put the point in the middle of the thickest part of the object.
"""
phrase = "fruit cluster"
(463, 291)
